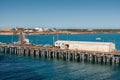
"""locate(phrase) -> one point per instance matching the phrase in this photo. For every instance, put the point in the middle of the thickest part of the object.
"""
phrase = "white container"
(86, 46)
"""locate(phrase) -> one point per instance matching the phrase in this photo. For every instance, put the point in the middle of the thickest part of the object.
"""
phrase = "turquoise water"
(48, 39)
(20, 68)
(14, 67)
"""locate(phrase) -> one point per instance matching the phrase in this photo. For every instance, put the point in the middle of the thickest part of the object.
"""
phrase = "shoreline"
(60, 32)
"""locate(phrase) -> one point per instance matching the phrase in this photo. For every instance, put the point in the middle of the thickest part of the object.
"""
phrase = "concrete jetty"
(66, 54)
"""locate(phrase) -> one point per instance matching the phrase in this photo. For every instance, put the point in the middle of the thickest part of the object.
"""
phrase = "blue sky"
(78, 14)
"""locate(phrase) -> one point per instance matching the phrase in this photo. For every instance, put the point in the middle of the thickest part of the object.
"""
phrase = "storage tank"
(86, 46)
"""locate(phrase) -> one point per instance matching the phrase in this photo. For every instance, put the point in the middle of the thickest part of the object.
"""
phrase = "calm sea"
(14, 67)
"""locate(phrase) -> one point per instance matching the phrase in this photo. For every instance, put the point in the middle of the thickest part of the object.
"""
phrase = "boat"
(98, 38)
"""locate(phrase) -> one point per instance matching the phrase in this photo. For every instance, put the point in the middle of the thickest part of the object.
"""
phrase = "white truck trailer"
(86, 46)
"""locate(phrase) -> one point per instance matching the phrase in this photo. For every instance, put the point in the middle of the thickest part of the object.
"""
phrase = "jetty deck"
(53, 52)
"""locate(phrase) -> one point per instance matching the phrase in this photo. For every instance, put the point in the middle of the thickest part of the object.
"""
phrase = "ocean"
(16, 67)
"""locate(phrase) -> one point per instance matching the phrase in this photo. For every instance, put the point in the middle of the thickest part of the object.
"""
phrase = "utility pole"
(53, 39)
(12, 35)
(12, 38)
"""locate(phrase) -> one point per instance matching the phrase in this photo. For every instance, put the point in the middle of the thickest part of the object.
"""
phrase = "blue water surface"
(15, 67)
(49, 39)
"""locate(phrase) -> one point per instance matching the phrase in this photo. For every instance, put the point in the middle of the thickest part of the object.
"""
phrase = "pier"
(65, 54)
(23, 47)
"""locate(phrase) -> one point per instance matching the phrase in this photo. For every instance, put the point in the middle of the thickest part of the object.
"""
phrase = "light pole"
(53, 39)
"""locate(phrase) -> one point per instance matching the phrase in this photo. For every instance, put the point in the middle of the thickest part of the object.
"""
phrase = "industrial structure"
(22, 39)
(86, 46)
(65, 54)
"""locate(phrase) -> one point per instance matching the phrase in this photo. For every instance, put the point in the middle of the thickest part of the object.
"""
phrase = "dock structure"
(66, 54)
(65, 51)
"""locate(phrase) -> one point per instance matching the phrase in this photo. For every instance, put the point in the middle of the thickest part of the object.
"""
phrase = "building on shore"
(5, 29)
(39, 29)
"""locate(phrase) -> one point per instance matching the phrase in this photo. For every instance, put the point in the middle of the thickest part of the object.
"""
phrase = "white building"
(28, 30)
(39, 29)
(46, 29)
(86, 46)
(5, 29)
